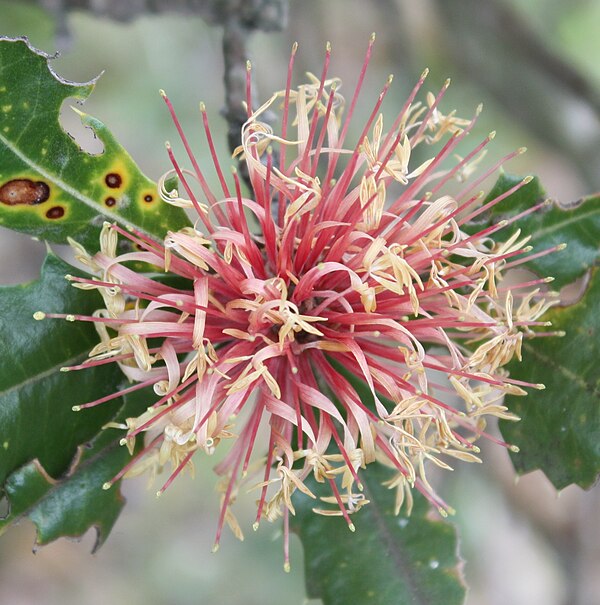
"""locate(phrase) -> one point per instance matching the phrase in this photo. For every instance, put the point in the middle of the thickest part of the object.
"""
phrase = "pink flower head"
(342, 260)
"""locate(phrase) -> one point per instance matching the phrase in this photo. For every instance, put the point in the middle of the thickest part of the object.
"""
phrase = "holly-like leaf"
(559, 431)
(577, 225)
(69, 506)
(51, 188)
(75, 502)
(388, 559)
(560, 427)
(41, 438)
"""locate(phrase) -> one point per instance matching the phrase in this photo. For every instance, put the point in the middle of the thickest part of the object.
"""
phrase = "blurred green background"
(536, 66)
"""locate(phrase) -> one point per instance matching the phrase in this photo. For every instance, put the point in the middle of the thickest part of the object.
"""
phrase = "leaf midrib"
(566, 372)
(402, 563)
(69, 189)
(567, 221)
(43, 375)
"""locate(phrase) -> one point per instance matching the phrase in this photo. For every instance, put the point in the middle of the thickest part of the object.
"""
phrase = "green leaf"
(76, 501)
(49, 187)
(41, 438)
(577, 225)
(389, 559)
(559, 431)
(560, 427)
(36, 420)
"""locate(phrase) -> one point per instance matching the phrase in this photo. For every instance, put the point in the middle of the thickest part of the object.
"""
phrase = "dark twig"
(240, 18)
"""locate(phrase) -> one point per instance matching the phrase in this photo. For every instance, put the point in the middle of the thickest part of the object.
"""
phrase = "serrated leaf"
(49, 187)
(36, 399)
(75, 502)
(577, 225)
(559, 431)
(67, 507)
(388, 560)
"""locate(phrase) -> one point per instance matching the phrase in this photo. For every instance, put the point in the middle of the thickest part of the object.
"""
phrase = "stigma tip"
(287, 567)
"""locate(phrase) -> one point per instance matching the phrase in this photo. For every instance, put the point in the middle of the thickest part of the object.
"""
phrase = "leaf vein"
(67, 188)
(566, 372)
(401, 562)
(43, 375)
(561, 224)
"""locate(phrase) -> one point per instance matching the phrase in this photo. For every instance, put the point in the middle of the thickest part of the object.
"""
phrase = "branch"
(240, 18)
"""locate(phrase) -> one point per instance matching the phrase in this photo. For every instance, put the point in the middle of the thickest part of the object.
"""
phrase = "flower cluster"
(345, 268)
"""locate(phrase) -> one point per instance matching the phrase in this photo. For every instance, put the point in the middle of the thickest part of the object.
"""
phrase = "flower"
(344, 264)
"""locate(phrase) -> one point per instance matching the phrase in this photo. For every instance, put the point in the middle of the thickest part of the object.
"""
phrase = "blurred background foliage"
(535, 64)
